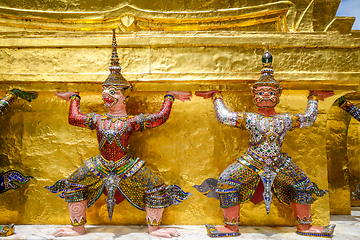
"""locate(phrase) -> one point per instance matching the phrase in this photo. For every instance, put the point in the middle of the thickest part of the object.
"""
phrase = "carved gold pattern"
(130, 22)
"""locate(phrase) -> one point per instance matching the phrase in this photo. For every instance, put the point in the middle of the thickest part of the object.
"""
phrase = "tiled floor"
(347, 227)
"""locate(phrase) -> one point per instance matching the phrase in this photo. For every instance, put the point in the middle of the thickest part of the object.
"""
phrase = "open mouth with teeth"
(109, 101)
(270, 99)
(262, 102)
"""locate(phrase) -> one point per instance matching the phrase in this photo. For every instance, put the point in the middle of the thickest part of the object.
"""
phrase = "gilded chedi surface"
(169, 45)
(260, 15)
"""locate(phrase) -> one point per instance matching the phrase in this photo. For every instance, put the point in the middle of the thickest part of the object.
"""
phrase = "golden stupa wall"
(352, 166)
(192, 49)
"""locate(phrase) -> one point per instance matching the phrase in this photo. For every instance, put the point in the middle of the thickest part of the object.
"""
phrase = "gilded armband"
(240, 121)
(9, 98)
(75, 96)
(169, 97)
(216, 96)
(346, 105)
(295, 120)
(313, 97)
(90, 120)
(140, 122)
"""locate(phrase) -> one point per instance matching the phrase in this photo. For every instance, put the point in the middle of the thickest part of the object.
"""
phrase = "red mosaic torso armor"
(113, 133)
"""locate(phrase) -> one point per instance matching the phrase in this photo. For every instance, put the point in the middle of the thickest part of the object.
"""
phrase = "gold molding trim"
(130, 19)
(302, 15)
(341, 24)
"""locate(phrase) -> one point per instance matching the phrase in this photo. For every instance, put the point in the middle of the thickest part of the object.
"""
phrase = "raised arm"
(77, 118)
(308, 118)
(225, 116)
(145, 121)
(12, 95)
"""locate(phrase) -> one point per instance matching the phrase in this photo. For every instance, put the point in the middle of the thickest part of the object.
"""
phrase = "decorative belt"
(267, 170)
(128, 164)
(111, 173)
(255, 162)
(111, 164)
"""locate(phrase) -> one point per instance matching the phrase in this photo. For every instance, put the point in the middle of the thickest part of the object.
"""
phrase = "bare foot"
(312, 229)
(164, 232)
(69, 231)
(224, 229)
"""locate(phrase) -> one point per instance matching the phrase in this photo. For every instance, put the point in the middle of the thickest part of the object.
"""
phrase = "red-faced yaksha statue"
(115, 171)
(264, 170)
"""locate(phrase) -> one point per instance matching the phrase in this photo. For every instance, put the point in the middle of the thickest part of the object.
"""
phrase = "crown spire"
(267, 77)
(115, 78)
(114, 56)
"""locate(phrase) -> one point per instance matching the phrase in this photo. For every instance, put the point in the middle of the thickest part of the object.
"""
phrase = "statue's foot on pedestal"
(214, 232)
(164, 232)
(7, 230)
(314, 231)
(69, 231)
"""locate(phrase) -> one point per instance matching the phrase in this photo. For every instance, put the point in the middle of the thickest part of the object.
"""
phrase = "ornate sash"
(267, 170)
(111, 173)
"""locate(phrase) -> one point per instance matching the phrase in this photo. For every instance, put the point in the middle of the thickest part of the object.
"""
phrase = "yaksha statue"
(12, 178)
(115, 172)
(354, 111)
(263, 169)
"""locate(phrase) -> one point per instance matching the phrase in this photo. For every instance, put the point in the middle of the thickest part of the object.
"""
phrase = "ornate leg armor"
(234, 221)
(153, 216)
(77, 212)
(153, 219)
(303, 220)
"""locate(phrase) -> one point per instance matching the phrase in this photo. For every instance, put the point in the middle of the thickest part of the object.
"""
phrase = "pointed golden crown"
(267, 77)
(115, 78)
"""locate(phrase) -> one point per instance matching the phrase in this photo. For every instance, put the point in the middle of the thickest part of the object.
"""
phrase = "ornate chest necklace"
(111, 129)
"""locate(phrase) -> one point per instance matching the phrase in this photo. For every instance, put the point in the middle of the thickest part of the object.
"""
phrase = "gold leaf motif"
(128, 22)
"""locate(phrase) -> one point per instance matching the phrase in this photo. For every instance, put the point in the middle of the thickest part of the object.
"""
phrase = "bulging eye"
(272, 93)
(112, 92)
(261, 93)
